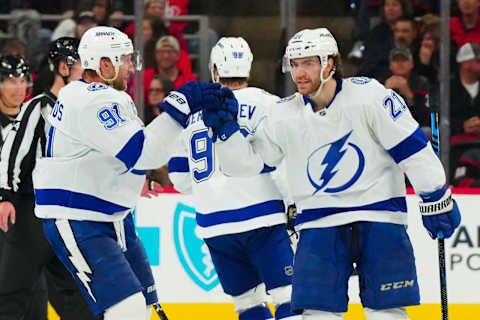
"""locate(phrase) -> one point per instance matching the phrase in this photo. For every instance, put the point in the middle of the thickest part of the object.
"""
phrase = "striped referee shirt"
(23, 140)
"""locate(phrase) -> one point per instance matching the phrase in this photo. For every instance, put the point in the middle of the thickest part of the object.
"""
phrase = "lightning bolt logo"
(336, 151)
(82, 269)
(334, 155)
(76, 257)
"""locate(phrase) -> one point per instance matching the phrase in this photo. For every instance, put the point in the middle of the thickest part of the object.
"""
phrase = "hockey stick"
(158, 309)
(441, 240)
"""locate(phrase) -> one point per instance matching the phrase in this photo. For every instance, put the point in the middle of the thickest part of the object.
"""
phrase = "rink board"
(225, 311)
(188, 285)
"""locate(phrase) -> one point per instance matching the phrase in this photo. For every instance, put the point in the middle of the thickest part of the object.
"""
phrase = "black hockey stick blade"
(158, 309)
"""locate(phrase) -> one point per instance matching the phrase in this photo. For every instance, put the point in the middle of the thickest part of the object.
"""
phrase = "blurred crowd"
(394, 41)
(166, 59)
(402, 52)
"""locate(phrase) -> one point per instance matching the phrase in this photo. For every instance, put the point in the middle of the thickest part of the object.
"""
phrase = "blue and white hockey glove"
(440, 214)
(222, 119)
(190, 98)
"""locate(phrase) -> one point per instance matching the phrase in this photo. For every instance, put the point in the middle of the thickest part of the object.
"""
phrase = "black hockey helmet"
(64, 48)
(13, 67)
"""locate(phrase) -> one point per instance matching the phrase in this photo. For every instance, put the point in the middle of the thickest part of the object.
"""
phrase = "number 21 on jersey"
(395, 105)
(201, 153)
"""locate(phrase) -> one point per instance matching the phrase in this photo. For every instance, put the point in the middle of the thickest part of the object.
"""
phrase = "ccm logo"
(397, 285)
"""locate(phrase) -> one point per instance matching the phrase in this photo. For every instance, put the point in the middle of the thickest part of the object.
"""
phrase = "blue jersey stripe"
(241, 214)
(51, 132)
(433, 196)
(139, 172)
(178, 164)
(75, 200)
(411, 145)
(398, 204)
(132, 150)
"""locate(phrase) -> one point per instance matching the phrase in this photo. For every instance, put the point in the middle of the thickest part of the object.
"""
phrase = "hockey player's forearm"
(160, 137)
(237, 157)
(425, 171)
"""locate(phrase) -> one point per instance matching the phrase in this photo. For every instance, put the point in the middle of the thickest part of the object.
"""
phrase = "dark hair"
(158, 30)
(407, 8)
(337, 61)
(431, 24)
(15, 47)
(44, 81)
(89, 73)
(233, 81)
(167, 84)
(412, 22)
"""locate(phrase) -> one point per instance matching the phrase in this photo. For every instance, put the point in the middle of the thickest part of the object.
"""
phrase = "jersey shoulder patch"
(360, 80)
(96, 86)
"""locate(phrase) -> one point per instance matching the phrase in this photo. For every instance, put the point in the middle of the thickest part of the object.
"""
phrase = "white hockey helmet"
(104, 42)
(232, 57)
(309, 43)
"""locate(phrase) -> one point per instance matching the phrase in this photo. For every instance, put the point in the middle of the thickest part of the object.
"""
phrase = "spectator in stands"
(405, 33)
(15, 47)
(466, 27)
(427, 60)
(464, 93)
(177, 8)
(101, 9)
(156, 9)
(467, 167)
(412, 87)
(153, 29)
(380, 40)
(160, 86)
(26, 26)
(76, 26)
(167, 57)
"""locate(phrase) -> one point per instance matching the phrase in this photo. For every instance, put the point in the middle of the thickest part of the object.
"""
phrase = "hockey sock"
(259, 312)
(284, 312)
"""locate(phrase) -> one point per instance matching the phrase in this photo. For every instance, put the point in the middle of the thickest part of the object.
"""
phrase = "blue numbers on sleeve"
(110, 117)
(57, 111)
(201, 147)
(395, 105)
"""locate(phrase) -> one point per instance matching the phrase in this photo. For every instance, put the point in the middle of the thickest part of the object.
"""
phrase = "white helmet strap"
(215, 77)
(324, 62)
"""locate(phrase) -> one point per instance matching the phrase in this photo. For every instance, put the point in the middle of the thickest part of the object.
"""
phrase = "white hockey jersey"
(226, 205)
(97, 154)
(346, 162)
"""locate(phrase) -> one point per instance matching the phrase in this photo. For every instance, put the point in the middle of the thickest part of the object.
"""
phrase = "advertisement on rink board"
(181, 261)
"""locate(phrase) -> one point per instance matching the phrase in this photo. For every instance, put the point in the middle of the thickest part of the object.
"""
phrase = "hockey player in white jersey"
(347, 144)
(242, 220)
(96, 156)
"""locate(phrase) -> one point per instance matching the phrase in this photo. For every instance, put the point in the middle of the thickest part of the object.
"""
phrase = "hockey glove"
(222, 119)
(440, 214)
(190, 98)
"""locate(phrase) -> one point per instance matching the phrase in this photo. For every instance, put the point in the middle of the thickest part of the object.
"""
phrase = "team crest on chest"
(336, 166)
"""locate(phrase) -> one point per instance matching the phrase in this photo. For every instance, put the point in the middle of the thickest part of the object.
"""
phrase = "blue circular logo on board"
(360, 80)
